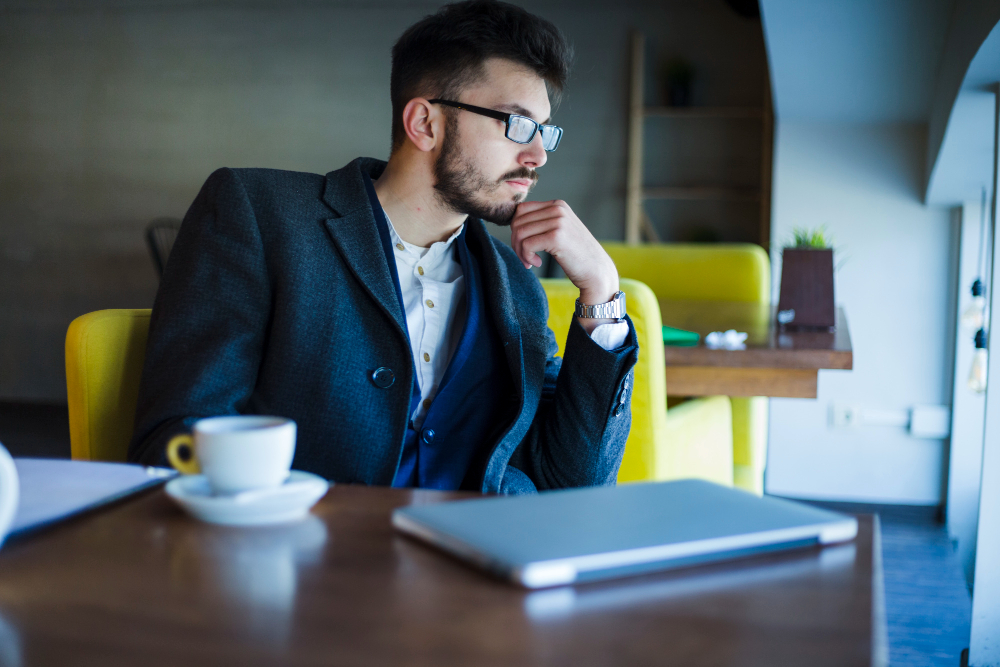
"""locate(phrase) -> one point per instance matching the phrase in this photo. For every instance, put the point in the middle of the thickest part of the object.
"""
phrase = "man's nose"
(533, 156)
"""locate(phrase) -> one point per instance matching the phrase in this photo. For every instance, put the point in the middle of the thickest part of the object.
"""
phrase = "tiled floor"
(928, 609)
(927, 604)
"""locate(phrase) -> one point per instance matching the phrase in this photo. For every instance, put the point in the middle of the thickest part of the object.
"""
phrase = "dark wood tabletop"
(140, 583)
(776, 362)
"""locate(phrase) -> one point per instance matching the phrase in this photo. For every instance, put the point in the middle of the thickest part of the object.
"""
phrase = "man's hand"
(551, 226)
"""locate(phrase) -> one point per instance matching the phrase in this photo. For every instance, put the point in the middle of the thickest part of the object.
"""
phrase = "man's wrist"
(594, 296)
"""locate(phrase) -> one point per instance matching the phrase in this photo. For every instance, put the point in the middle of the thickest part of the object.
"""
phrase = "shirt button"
(430, 304)
(401, 246)
(420, 270)
(428, 435)
(427, 404)
(427, 357)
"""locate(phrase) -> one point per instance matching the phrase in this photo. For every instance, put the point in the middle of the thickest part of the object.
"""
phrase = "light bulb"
(973, 317)
(977, 376)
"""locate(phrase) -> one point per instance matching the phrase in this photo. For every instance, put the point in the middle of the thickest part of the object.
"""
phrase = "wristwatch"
(612, 310)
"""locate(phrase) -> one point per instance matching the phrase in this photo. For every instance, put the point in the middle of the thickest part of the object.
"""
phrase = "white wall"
(861, 61)
(865, 183)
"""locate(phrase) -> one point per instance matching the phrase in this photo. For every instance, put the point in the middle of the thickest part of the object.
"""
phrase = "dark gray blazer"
(277, 299)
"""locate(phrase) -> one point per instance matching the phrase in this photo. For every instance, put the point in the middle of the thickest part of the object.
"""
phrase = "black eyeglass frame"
(505, 117)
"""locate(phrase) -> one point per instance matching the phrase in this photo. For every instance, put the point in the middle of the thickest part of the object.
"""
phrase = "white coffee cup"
(9, 492)
(238, 453)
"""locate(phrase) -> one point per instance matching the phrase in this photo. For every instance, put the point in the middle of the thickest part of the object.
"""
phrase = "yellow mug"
(236, 453)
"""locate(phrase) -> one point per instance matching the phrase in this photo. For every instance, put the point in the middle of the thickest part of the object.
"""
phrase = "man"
(373, 307)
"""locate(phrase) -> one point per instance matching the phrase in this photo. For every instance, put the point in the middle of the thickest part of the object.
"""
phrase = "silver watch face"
(619, 305)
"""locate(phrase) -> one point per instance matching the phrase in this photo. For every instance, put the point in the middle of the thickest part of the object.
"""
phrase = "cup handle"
(180, 453)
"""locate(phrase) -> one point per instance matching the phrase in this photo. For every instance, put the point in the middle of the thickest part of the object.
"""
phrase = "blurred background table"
(141, 583)
(774, 363)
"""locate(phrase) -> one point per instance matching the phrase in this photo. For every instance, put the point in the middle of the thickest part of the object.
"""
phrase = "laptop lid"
(561, 537)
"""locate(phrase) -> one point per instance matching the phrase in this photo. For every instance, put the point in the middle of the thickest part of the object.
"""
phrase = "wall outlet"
(922, 421)
(844, 416)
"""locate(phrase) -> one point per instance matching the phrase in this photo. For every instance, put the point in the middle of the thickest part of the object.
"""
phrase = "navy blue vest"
(472, 405)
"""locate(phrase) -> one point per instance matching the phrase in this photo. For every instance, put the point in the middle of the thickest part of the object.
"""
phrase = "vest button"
(428, 435)
(383, 377)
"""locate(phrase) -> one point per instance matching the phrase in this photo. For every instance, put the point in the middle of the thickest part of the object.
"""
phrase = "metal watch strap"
(612, 310)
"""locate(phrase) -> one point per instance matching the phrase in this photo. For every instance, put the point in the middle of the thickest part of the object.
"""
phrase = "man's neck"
(406, 192)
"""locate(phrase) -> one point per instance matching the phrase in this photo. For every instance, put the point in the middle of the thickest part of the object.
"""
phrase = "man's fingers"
(535, 216)
(517, 227)
(526, 206)
(533, 245)
(548, 209)
(526, 231)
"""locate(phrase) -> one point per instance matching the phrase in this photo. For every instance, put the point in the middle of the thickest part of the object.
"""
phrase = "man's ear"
(423, 124)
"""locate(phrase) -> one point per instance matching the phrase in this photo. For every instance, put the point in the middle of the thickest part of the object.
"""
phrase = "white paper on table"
(726, 340)
(56, 489)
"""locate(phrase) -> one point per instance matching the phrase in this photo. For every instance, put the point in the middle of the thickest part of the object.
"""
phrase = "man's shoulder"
(256, 178)
(270, 189)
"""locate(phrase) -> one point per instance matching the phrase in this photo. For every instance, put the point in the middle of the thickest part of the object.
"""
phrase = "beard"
(465, 189)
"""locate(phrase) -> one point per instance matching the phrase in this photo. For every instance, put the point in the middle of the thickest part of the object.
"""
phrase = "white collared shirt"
(433, 286)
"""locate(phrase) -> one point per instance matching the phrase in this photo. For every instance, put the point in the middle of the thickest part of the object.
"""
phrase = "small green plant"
(815, 239)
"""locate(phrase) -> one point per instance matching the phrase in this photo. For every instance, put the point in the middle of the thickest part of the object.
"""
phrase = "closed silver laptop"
(561, 537)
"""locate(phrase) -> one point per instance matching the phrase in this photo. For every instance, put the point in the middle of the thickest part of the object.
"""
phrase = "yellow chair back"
(711, 272)
(105, 351)
(697, 271)
(647, 439)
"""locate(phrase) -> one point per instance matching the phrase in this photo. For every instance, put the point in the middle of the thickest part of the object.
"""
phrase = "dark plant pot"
(806, 299)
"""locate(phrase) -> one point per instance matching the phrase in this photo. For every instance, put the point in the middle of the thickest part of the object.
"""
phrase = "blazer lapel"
(354, 233)
(499, 301)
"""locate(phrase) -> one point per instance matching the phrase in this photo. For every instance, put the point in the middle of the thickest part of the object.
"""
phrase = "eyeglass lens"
(550, 136)
(522, 130)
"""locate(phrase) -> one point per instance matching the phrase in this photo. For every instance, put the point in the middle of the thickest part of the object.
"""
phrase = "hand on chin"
(553, 227)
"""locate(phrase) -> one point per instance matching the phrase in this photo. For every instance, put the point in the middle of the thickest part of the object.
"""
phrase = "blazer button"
(383, 377)
(428, 435)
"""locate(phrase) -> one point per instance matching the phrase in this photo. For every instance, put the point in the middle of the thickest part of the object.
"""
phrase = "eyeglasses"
(520, 129)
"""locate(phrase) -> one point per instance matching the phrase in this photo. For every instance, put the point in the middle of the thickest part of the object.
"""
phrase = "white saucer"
(256, 508)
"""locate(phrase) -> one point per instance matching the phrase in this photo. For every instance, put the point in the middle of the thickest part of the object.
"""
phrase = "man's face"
(479, 171)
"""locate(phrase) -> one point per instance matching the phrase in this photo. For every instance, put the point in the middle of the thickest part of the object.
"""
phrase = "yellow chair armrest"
(749, 442)
(700, 433)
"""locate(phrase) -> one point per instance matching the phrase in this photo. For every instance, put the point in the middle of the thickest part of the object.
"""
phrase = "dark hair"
(444, 52)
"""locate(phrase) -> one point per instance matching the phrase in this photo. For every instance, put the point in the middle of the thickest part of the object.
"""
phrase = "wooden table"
(775, 363)
(142, 584)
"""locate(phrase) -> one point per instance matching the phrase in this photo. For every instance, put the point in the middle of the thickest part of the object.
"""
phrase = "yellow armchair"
(691, 440)
(105, 351)
(711, 272)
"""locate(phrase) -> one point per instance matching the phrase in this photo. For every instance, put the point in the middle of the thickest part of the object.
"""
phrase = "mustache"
(522, 172)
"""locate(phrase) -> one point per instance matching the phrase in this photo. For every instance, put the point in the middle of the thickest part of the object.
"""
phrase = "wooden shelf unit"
(637, 222)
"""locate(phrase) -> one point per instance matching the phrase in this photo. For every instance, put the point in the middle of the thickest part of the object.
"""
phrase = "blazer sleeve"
(209, 320)
(578, 434)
